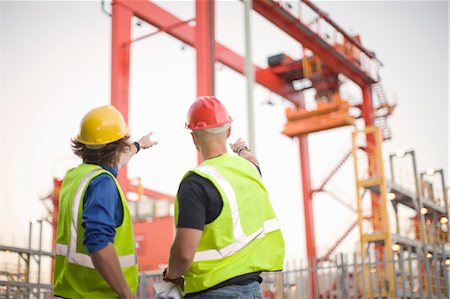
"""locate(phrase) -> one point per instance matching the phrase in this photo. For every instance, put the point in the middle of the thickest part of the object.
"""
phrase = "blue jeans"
(248, 291)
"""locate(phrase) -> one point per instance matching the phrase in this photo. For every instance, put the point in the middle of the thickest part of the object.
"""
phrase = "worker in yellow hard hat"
(95, 252)
(226, 230)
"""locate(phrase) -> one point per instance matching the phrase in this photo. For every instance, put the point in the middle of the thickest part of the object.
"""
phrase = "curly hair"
(109, 154)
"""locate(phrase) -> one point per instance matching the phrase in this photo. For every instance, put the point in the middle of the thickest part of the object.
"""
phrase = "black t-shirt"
(200, 203)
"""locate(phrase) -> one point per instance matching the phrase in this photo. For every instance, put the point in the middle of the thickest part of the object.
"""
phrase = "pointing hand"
(145, 142)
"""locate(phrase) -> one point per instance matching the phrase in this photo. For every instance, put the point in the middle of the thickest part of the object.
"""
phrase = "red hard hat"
(207, 112)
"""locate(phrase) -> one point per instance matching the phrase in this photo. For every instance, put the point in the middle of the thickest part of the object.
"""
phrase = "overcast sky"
(55, 66)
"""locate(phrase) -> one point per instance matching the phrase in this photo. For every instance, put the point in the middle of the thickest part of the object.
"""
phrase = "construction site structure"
(372, 177)
(17, 281)
(390, 265)
(326, 54)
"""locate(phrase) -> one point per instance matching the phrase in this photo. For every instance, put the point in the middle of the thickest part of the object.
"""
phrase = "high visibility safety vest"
(75, 275)
(245, 237)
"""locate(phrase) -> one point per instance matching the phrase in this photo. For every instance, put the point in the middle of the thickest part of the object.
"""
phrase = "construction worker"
(95, 249)
(226, 230)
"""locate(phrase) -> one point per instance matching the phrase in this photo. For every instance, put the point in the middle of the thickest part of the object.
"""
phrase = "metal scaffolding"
(17, 283)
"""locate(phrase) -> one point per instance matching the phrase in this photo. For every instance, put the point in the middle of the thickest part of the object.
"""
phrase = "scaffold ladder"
(369, 175)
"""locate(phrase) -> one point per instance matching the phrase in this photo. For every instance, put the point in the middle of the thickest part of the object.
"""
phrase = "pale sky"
(55, 66)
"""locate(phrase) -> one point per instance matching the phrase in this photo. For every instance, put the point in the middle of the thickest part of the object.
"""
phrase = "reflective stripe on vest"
(241, 238)
(85, 260)
(69, 251)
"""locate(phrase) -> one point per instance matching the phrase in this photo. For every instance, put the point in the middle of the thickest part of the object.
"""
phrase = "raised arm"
(144, 143)
(240, 147)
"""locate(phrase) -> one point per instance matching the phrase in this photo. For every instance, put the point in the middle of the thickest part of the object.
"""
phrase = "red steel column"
(205, 46)
(307, 198)
(120, 68)
(367, 113)
(367, 110)
(308, 211)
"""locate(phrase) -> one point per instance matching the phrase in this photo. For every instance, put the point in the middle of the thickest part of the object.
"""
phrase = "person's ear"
(194, 139)
(228, 132)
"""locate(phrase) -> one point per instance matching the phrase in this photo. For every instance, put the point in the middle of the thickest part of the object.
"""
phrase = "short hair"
(107, 154)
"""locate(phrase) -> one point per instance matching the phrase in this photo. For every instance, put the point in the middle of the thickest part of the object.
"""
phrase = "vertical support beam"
(359, 198)
(278, 285)
(445, 199)
(397, 219)
(367, 113)
(380, 218)
(55, 211)
(391, 168)
(387, 250)
(423, 234)
(249, 72)
(367, 110)
(30, 234)
(39, 259)
(205, 46)
(120, 68)
(308, 210)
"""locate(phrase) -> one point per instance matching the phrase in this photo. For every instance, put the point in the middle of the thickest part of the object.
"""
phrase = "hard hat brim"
(105, 141)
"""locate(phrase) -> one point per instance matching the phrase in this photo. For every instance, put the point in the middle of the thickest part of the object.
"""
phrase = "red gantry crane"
(344, 55)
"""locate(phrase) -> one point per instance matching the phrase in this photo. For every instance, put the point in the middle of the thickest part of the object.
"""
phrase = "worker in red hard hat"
(95, 251)
(226, 230)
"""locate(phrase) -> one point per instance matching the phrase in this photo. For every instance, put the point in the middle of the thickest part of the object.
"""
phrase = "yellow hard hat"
(102, 125)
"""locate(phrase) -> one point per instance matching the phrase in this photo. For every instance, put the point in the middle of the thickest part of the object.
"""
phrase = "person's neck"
(213, 152)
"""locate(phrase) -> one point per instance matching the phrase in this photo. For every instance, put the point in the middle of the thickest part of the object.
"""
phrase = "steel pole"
(445, 197)
(30, 233)
(391, 165)
(39, 258)
(55, 211)
(204, 44)
(308, 210)
(419, 198)
(120, 68)
(249, 72)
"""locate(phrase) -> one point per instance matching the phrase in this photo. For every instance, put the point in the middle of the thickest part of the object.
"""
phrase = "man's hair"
(107, 154)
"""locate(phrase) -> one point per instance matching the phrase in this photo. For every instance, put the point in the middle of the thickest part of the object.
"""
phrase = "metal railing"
(416, 275)
(19, 290)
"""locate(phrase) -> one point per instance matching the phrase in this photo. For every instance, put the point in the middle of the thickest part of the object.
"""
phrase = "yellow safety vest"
(245, 237)
(75, 276)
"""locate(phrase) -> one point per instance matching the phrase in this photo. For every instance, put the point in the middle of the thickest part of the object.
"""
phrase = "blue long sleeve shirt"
(102, 211)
